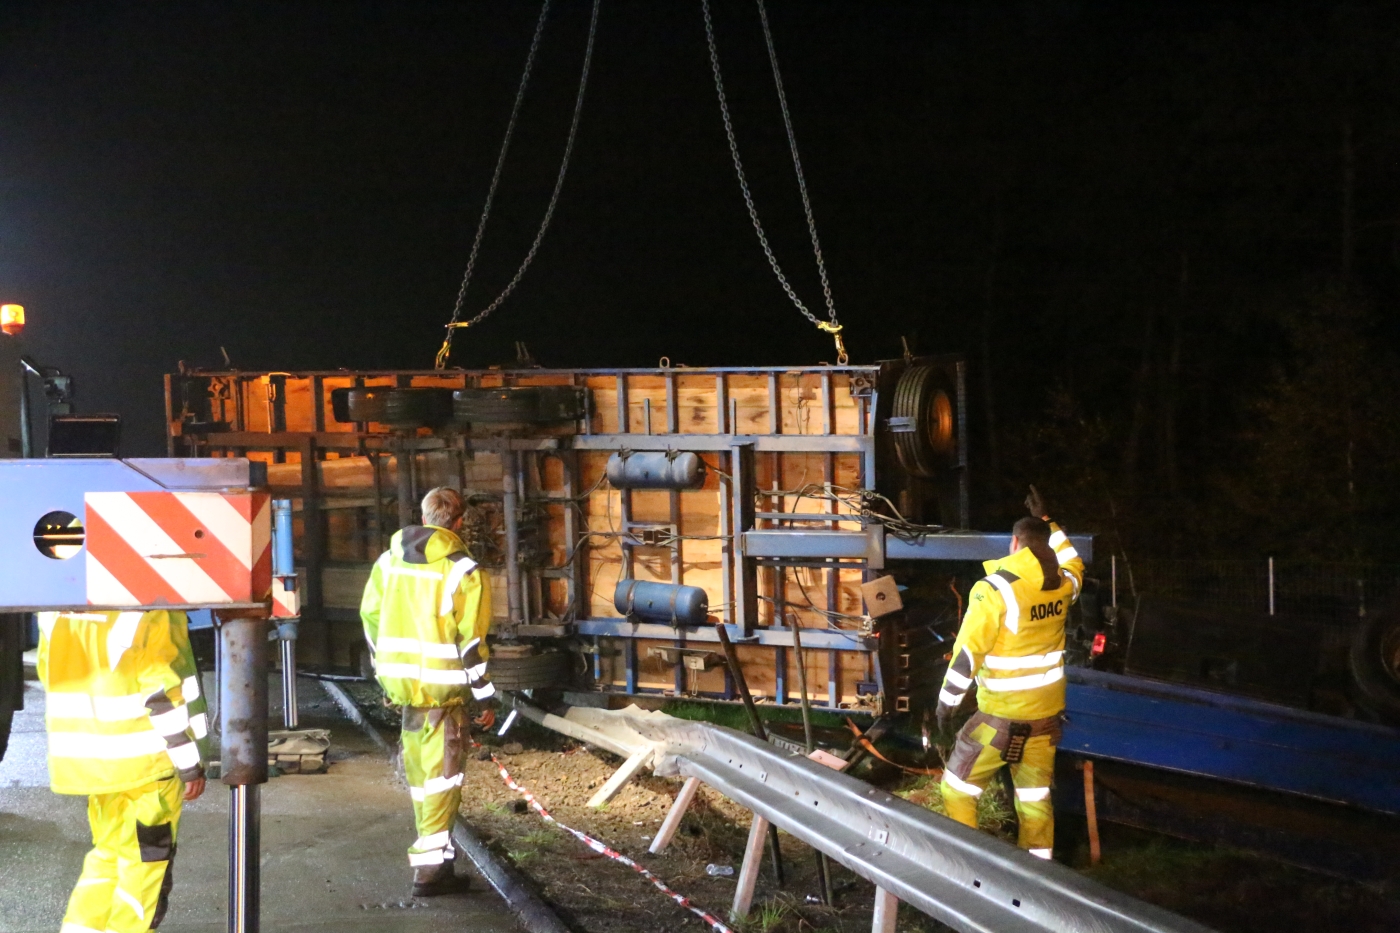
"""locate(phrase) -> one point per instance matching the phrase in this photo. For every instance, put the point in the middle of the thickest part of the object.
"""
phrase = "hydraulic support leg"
(243, 726)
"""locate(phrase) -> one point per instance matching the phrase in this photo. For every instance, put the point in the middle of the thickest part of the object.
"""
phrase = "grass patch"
(540, 839)
(767, 918)
(995, 811)
(1233, 890)
(522, 856)
(494, 808)
(734, 716)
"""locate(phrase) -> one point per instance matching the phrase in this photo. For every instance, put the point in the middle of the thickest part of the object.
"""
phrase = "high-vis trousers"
(432, 762)
(976, 759)
(125, 884)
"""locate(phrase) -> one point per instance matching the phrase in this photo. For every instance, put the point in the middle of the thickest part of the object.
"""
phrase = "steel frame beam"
(876, 547)
(813, 638)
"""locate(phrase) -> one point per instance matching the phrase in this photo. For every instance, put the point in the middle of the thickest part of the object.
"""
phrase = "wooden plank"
(886, 912)
(667, 832)
(619, 778)
(748, 872)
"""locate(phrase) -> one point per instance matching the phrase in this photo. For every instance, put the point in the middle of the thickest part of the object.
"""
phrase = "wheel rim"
(1390, 650)
(940, 422)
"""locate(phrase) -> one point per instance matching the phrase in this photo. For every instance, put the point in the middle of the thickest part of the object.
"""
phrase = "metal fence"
(1327, 592)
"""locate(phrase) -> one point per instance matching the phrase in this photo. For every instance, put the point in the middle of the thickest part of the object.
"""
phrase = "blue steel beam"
(825, 639)
(951, 545)
(1232, 739)
(968, 545)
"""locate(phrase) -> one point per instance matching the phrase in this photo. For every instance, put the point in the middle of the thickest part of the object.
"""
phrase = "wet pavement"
(333, 844)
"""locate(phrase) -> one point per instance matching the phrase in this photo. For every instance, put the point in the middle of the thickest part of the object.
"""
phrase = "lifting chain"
(456, 322)
(832, 326)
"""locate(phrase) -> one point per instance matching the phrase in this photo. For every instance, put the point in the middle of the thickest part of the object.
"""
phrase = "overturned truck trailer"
(623, 513)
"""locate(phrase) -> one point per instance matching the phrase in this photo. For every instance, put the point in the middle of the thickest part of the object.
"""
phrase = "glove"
(944, 718)
(486, 720)
(1036, 505)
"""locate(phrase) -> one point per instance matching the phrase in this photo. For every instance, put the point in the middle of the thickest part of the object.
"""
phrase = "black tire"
(518, 404)
(550, 668)
(923, 422)
(401, 408)
(1375, 663)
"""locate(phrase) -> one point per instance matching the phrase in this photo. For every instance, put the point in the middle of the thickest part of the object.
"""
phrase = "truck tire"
(549, 668)
(1375, 662)
(520, 404)
(922, 421)
(400, 408)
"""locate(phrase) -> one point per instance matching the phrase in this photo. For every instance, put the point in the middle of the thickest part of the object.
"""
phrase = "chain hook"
(834, 329)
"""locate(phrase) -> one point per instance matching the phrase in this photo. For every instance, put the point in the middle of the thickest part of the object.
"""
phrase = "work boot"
(435, 880)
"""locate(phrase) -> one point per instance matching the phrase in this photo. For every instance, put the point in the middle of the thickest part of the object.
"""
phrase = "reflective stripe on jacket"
(1012, 639)
(426, 612)
(123, 704)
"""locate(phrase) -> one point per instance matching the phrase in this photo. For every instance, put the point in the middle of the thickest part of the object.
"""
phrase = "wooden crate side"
(604, 392)
(343, 585)
(444, 381)
(799, 395)
(696, 406)
(846, 409)
(255, 404)
(749, 394)
(641, 390)
(544, 379)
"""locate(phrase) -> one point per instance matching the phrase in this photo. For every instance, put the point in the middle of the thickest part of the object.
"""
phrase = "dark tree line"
(1177, 271)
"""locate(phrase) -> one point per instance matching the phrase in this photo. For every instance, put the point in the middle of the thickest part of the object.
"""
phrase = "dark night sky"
(298, 182)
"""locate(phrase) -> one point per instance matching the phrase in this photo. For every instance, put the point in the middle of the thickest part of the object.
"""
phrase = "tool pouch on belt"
(1013, 734)
(415, 717)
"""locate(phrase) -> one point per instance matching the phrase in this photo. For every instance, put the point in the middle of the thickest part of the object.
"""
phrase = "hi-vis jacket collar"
(424, 544)
(1023, 564)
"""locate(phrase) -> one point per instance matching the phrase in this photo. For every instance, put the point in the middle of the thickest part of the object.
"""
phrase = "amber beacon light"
(12, 319)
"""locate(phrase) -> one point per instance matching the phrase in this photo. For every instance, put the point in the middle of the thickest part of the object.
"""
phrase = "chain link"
(446, 350)
(832, 326)
(553, 197)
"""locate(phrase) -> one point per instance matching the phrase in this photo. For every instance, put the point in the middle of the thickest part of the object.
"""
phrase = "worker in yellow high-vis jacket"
(125, 716)
(1012, 645)
(426, 612)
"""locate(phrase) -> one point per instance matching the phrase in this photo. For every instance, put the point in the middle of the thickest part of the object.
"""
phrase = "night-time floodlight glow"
(12, 319)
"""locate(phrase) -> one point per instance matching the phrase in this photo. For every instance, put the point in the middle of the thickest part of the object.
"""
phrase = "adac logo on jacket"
(1048, 610)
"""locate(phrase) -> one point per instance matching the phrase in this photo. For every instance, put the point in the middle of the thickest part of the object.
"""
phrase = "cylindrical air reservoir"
(662, 602)
(656, 469)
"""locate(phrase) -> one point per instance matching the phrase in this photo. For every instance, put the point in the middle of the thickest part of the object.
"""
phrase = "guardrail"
(961, 877)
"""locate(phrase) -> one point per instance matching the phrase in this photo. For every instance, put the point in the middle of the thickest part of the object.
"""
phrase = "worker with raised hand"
(1012, 644)
(426, 612)
(125, 718)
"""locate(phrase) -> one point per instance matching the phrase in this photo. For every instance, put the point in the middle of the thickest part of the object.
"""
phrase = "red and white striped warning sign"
(178, 548)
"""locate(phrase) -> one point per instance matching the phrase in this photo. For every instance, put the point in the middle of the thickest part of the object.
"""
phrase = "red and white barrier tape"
(613, 854)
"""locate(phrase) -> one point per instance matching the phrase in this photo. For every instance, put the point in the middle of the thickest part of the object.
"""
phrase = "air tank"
(662, 602)
(656, 470)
